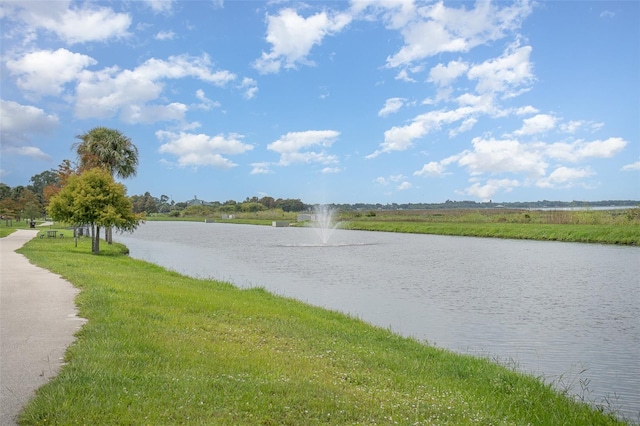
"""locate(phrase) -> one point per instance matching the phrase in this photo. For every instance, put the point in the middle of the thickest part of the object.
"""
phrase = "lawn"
(161, 348)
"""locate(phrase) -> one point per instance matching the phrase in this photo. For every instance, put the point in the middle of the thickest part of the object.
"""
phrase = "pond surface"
(567, 312)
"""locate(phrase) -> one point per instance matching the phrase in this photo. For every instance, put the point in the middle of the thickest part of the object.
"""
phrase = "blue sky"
(332, 102)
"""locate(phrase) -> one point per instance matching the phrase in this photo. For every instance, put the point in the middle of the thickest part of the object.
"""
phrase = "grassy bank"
(585, 226)
(620, 226)
(604, 234)
(161, 348)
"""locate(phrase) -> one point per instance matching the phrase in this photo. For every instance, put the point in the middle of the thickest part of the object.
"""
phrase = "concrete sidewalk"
(37, 323)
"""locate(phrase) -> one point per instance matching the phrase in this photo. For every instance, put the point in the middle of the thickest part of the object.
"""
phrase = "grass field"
(163, 349)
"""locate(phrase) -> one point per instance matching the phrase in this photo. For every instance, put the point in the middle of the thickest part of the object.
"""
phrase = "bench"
(51, 234)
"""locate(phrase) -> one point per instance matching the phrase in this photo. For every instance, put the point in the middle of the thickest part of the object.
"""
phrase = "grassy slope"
(161, 348)
(606, 234)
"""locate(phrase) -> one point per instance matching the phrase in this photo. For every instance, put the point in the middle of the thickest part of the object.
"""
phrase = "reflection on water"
(568, 312)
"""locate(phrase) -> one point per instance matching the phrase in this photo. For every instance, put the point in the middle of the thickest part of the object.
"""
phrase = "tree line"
(149, 204)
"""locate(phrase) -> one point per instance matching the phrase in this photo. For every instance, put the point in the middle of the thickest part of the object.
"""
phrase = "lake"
(567, 312)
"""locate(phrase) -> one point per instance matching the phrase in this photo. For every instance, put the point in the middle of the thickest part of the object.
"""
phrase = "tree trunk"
(95, 245)
(108, 234)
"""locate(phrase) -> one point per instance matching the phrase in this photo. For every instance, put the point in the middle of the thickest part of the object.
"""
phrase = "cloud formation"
(196, 150)
(305, 147)
(70, 23)
(292, 37)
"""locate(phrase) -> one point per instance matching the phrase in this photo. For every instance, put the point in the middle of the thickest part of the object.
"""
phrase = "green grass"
(605, 234)
(9, 227)
(163, 349)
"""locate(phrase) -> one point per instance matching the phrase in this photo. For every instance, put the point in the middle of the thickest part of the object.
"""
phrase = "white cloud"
(564, 177)
(505, 74)
(381, 181)
(537, 124)
(432, 168)
(104, 93)
(601, 149)
(490, 188)
(571, 126)
(205, 103)
(464, 127)
(295, 147)
(45, 72)
(250, 87)
(165, 35)
(260, 168)
(434, 28)
(444, 75)
(174, 111)
(20, 122)
(202, 150)
(502, 156)
(183, 66)
(32, 152)
(293, 36)
(631, 167)
(84, 23)
(400, 138)
(331, 170)
(160, 6)
(404, 186)
(581, 150)
(390, 106)
(574, 125)
(295, 141)
(512, 157)
(400, 180)
(526, 110)
(404, 76)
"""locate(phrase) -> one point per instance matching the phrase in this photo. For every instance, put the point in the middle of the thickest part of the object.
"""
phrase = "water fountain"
(323, 222)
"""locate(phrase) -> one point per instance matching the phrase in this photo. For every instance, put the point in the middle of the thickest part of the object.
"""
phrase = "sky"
(389, 101)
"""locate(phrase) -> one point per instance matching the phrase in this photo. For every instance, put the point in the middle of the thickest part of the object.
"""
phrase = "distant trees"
(40, 181)
(268, 202)
(19, 202)
(150, 204)
(144, 203)
(290, 205)
(94, 199)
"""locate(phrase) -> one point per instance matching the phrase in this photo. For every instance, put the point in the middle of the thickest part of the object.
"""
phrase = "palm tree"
(108, 149)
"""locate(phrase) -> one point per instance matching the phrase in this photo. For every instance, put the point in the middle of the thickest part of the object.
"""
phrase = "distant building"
(196, 202)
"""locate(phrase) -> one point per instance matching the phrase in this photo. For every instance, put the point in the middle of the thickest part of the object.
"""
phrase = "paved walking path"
(37, 323)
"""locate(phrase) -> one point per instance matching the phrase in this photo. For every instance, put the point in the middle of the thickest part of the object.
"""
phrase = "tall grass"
(606, 227)
(547, 217)
(163, 349)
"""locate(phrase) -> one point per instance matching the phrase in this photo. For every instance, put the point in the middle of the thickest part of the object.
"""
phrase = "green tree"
(5, 191)
(42, 180)
(30, 206)
(290, 205)
(108, 149)
(252, 207)
(94, 199)
(268, 202)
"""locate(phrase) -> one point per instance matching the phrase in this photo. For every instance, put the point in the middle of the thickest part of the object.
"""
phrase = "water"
(567, 312)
